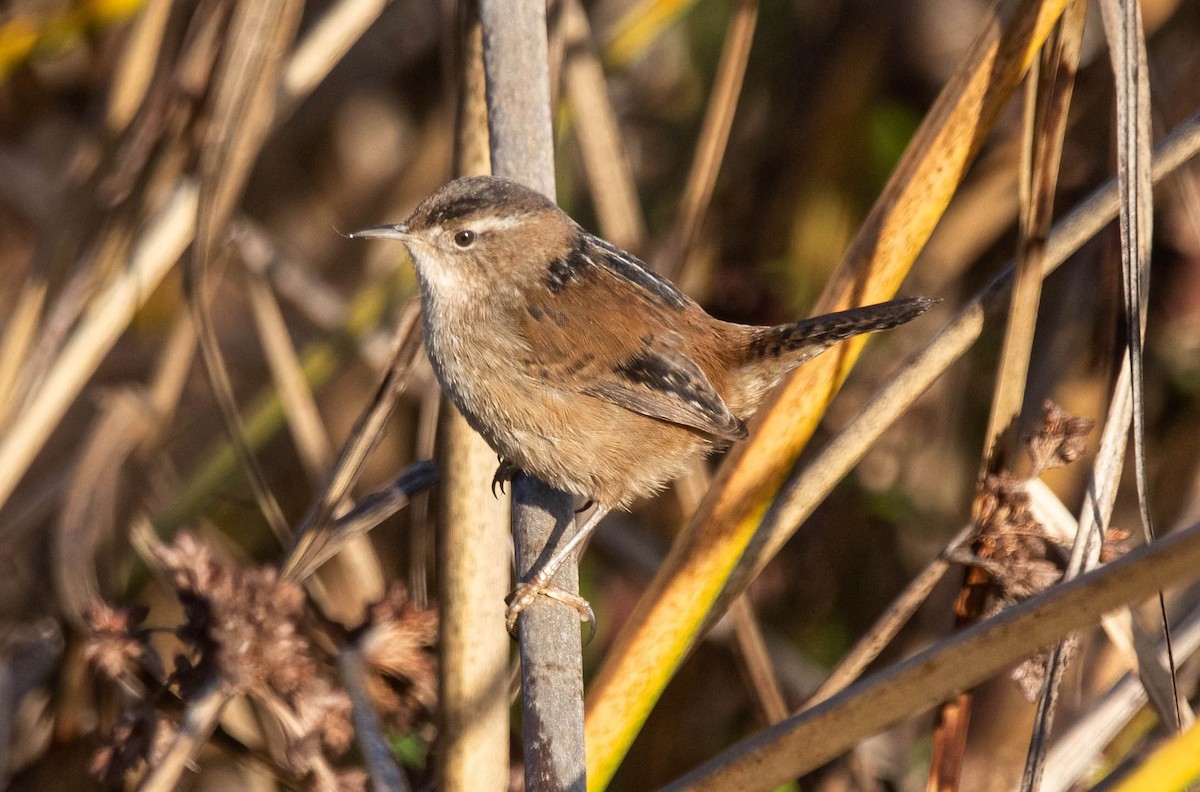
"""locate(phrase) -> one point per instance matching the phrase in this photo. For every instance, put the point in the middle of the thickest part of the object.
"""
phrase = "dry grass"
(173, 178)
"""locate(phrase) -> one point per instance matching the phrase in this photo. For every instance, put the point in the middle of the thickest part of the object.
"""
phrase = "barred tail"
(806, 339)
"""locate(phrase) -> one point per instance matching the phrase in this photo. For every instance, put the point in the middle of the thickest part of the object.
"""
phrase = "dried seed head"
(140, 735)
(1012, 546)
(1059, 440)
(243, 626)
(116, 643)
(399, 643)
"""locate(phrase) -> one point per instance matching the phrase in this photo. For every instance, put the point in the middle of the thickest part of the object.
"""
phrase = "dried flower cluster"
(399, 643)
(117, 643)
(1012, 546)
(1059, 440)
(141, 734)
(241, 628)
(242, 621)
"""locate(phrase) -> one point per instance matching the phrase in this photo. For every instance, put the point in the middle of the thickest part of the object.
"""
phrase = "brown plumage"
(574, 360)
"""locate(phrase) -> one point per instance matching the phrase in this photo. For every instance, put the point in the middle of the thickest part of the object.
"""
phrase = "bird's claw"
(504, 474)
(523, 596)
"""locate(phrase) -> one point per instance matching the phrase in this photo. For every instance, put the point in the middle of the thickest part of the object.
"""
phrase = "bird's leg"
(504, 474)
(525, 593)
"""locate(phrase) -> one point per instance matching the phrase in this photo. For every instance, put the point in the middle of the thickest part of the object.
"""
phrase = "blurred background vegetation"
(832, 94)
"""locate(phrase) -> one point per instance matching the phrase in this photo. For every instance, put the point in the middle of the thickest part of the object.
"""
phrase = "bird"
(577, 362)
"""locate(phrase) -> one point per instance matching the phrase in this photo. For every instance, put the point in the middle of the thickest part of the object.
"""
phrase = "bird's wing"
(631, 357)
(662, 382)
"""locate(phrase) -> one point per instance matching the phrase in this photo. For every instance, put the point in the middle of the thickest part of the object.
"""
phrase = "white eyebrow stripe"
(495, 223)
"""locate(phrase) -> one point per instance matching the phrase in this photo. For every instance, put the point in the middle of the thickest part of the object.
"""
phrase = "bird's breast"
(570, 440)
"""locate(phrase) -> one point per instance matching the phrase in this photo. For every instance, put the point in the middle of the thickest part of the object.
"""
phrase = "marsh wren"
(578, 363)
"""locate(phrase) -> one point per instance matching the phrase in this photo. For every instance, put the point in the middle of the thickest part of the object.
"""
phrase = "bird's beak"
(397, 231)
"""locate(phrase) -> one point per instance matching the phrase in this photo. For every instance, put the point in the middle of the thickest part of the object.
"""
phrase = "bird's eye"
(464, 239)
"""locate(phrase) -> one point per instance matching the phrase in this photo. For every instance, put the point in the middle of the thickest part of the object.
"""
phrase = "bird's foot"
(504, 474)
(523, 596)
